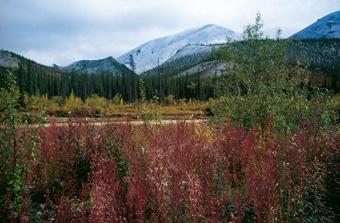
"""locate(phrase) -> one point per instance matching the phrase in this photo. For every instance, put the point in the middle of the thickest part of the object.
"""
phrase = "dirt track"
(62, 123)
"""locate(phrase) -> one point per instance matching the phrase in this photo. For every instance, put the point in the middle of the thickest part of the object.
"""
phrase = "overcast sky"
(63, 31)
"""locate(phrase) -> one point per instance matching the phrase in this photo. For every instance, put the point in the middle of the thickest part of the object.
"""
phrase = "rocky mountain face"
(8, 60)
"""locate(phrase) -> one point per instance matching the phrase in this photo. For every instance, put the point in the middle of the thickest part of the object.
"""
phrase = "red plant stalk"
(106, 200)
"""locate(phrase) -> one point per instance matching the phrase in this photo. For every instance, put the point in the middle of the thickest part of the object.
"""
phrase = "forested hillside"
(196, 76)
(36, 79)
(322, 58)
(199, 75)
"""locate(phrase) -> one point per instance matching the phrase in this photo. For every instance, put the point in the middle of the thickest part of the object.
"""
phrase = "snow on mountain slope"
(191, 50)
(207, 69)
(154, 52)
(106, 65)
(327, 27)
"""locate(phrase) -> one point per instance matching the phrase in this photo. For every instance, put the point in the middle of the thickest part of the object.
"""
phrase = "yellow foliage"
(73, 104)
(169, 100)
(37, 103)
(96, 104)
(116, 107)
(203, 131)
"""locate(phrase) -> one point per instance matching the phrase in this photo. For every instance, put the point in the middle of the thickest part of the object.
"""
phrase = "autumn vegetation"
(270, 152)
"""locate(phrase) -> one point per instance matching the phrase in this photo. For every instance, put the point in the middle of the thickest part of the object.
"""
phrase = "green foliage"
(82, 166)
(11, 170)
(18, 185)
(15, 155)
(249, 214)
(310, 206)
(117, 99)
(142, 91)
(9, 95)
(263, 85)
(114, 151)
(254, 32)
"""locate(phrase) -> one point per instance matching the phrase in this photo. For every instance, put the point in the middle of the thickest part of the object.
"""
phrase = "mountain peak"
(211, 25)
(105, 65)
(157, 51)
(327, 27)
(109, 58)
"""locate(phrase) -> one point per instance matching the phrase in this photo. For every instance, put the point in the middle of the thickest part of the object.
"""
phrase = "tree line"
(34, 80)
(321, 57)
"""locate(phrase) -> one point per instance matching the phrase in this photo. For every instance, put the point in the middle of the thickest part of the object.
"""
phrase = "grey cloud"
(62, 31)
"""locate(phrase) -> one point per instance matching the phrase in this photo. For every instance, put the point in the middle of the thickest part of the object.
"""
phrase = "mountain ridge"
(194, 42)
(107, 65)
(104, 65)
(327, 27)
(157, 51)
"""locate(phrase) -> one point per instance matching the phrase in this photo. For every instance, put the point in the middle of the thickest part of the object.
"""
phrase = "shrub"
(95, 104)
(169, 100)
(73, 104)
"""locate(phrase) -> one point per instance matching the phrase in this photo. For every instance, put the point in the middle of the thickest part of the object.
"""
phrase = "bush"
(73, 104)
(95, 104)
(169, 100)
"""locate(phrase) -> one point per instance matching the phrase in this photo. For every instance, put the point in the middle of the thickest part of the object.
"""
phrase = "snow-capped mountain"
(327, 27)
(106, 65)
(154, 52)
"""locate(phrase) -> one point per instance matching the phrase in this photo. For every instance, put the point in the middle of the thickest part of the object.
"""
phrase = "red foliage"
(178, 173)
(107, 195)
